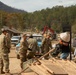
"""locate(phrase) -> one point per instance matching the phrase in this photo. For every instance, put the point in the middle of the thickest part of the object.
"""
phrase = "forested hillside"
(7, 8)
(54, 17)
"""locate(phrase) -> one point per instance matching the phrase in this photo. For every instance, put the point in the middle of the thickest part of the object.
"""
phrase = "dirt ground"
(14, 62)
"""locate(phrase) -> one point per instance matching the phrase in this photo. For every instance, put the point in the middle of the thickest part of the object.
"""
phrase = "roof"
(11, 30)
(35, 35)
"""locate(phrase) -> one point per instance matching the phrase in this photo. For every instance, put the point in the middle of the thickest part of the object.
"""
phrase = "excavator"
(51, 31)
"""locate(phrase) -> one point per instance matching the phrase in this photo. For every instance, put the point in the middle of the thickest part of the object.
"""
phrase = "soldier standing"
(23, 49)
(46, 44)
(4, 58)
(8, 41)
(33, 47)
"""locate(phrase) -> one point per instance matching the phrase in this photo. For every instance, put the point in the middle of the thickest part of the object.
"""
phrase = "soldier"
(23, 49)
(4, 58)
(63, 46)
(33, 47)
(64, 42)
(46, 44)
(8, 41)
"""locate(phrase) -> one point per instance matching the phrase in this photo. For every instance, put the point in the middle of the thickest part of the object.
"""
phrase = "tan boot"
(1, 67)
(7, 72)
(21, 65)
(2, 72)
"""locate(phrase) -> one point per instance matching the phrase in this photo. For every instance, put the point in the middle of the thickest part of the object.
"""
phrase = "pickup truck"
(15, 40)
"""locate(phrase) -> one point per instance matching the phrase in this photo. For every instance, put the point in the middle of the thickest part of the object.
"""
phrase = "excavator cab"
(49, 30)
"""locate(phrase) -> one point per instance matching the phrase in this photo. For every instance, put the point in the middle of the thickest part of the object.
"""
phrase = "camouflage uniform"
(23, 52)
(4, 58)
(8, 41)
(45, 46)
(33, 46)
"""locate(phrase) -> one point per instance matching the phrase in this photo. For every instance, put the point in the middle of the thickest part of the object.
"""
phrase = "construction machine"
(49, 30)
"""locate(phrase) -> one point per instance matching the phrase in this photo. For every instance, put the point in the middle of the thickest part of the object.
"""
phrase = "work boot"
(21, 65)
(7, 72)
(2, 72)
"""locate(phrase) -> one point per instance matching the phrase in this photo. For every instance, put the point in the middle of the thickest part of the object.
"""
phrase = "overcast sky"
(33, 5)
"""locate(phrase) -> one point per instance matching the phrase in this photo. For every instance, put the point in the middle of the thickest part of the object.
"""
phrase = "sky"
(35, 5)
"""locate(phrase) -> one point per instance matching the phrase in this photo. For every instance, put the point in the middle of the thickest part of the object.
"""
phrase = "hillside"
(7, 8)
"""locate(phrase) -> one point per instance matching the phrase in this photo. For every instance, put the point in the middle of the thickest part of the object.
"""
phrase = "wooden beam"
(30, 73)
(53, 67)
(37, 69)
(68, 67)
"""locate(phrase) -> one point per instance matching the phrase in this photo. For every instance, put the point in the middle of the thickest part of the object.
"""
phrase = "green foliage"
(54, 18)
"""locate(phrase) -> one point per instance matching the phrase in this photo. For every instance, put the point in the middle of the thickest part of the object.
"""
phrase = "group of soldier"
(30, 45)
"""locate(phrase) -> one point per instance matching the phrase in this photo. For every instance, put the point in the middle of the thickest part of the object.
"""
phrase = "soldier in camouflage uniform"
(33, 47)
(8, 41)
(4, 58)
(23, 49)
(46, 44)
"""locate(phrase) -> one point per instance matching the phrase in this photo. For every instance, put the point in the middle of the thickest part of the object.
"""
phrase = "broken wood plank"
(47, 53)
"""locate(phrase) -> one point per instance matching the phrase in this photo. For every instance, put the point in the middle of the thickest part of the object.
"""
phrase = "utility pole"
(67, 28)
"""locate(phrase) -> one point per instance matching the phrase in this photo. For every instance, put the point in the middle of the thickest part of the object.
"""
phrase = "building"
(12, 31)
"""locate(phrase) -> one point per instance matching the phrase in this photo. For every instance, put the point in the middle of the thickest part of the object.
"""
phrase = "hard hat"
(65, 36)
